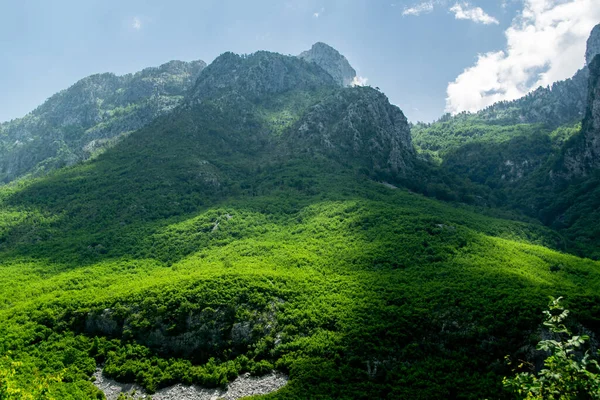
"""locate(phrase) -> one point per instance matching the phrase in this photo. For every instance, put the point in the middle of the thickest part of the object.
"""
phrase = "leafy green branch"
(565, 375)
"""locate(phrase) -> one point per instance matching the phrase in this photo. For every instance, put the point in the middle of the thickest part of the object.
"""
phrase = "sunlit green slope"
(355, 289)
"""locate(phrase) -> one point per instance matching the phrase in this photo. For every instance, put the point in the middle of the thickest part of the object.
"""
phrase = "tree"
(40, 387)
(565, 375)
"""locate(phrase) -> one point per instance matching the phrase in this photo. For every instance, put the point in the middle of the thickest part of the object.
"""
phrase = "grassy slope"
(357, 290)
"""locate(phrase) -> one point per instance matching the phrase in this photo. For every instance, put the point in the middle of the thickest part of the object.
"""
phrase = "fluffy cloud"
(545, 43)
(475, 14)
(419, 9)
(136, 23)
(359, 81)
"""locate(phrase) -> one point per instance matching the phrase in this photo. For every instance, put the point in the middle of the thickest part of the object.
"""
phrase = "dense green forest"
(331, 275)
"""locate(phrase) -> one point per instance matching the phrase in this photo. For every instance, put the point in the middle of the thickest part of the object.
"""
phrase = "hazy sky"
(428, 56)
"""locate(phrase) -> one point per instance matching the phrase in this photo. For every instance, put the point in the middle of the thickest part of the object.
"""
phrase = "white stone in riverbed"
(243, 386)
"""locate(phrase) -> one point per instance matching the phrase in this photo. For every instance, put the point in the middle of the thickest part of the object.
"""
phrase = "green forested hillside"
(257, 226)
(83, 120)
(544, 171)
(358, 290)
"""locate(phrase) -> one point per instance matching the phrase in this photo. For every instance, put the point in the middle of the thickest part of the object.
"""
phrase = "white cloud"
(424, 7)
(136, 23)
(475, 14)
(359, 81)
(545, 43)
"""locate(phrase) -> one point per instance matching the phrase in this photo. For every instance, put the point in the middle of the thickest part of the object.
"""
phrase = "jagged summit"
(331, 61)
(84, 103)
(582, 154)
(258, 74)
(593, 45)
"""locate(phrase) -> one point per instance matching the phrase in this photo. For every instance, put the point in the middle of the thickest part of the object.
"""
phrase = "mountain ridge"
(82, 120)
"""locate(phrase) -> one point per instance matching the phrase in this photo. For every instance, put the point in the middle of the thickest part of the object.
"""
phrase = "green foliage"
(39, 389)
(566, 375)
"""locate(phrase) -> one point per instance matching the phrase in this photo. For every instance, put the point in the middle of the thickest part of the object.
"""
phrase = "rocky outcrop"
(582, 153)
(252, 77)
(593, 45)
(204, 333)
(331, 61)
(358, 126)
(77, 122)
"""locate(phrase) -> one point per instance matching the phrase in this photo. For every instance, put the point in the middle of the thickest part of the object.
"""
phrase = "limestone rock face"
(357, 125)
(85, 118)
(331, 61)
(583, 153)
(593, 45)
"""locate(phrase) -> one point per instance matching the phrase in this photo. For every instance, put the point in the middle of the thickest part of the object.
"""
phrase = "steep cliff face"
(593, 45)
(331, 61)
(357, 125)
(582, 153)
(74, 124)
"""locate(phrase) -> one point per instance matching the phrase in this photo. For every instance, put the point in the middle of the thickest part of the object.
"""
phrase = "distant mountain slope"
(563, 103)
(78, 122)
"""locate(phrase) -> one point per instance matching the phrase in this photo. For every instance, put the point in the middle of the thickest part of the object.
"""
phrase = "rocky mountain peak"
(331, 61)
(256, 75)
(357, 125)
(593, 45)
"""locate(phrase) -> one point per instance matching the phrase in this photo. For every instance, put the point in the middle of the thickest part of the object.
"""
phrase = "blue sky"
(427, 56)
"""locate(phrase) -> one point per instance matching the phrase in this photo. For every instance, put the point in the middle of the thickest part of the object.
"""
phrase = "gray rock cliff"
(593, 45)
(582, 153)
(357, 125)
(331, 61)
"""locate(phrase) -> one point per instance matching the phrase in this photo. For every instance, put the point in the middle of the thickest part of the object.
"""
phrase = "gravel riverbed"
(243, 386)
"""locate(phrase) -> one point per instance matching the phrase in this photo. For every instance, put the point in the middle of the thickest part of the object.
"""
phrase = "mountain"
(331, 61)
(358, 126)
(532, 154)
(544, 109)
(264, 222)
(82, 120)
(257, 75)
